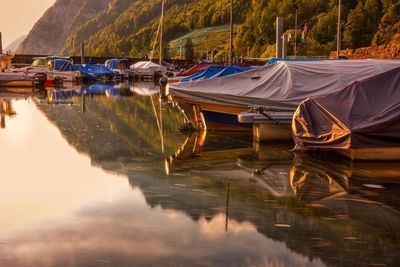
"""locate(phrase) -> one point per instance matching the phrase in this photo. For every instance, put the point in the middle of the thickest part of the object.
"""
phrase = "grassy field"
(204, 40)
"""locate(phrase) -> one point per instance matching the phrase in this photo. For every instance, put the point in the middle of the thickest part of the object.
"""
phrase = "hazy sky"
(18, 17)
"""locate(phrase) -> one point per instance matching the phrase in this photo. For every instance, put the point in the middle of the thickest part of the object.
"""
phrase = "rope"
(272, 119)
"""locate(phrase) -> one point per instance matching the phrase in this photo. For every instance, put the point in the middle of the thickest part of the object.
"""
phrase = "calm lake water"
(105, 179)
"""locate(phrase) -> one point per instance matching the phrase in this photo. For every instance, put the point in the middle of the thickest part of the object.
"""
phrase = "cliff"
(48, 35)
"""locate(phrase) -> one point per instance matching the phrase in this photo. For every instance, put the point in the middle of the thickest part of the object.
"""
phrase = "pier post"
(1, 45)
(279, 32)
(82, 53)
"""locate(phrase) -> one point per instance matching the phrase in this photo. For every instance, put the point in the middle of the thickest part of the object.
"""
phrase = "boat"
(120, 66)
(273, 91)
(10, 79)
(361, 121)
(148, 70)
(95, 72)
(54, 67)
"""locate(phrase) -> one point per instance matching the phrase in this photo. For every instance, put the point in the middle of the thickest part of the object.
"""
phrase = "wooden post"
(279, 32)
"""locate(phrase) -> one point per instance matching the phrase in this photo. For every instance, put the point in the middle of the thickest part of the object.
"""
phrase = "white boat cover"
(281, 86)
(148, 67)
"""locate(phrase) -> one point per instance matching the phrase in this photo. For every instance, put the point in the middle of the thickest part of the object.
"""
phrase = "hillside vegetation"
(129, 27)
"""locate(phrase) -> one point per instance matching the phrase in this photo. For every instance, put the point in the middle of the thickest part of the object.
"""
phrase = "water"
(106, 180)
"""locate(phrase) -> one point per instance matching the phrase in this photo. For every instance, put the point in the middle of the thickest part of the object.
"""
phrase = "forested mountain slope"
(128, 27)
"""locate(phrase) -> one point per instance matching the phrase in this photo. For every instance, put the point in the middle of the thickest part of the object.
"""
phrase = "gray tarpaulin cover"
(365, 114)
(281, 86)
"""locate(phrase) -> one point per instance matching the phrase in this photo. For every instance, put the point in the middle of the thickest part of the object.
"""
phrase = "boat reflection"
(145, 88)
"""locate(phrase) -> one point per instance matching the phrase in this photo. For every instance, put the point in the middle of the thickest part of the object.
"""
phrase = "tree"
(189, 50)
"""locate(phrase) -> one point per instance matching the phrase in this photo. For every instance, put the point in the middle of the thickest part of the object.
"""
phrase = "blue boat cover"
(204, 74)
(214, 72)
(114, 63)
(62, 65)
(231, 70)
(99, 70)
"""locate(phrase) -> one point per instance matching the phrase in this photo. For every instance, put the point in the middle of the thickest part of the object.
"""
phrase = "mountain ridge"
(128, 27)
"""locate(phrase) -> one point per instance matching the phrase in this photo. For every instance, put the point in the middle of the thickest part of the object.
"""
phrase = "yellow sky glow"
(18, 17)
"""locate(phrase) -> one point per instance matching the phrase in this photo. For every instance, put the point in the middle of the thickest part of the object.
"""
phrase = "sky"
(18, 17)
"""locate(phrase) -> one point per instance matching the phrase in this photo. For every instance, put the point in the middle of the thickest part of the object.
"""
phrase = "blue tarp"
(99, 70)
(214, 72)
(231, 70)
(204, 74)
(94, 71)
(62, 65)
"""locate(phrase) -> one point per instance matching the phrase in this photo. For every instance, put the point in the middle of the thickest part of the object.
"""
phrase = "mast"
(161, 31)
(339, 30)
(231, 34)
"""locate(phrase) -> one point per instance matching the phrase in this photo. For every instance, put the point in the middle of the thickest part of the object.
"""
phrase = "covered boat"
(120, 66)
(96, 71)
(277, 89)
(148, 69)
(362, 121)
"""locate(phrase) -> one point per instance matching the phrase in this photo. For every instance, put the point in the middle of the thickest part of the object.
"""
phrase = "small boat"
(362, 121)
(148, 70)
(120, 66)
(10, 79)
(54, 67)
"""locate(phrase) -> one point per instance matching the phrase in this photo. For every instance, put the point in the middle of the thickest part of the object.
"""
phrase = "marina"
(201, 133)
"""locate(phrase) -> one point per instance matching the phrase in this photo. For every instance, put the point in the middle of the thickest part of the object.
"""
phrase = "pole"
(1, 44)
(295, 34)
(279, 32)
(161, 31)
(231, 35)
(82, 53)
(339, 30)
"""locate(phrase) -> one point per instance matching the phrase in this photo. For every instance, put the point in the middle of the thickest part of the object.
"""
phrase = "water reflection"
(208, 199)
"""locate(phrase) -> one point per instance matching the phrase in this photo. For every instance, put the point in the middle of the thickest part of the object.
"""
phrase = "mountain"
(15, 44)
(129, 27)
(48, 35)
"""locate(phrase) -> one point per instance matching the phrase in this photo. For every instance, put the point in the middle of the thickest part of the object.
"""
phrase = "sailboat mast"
(161, 32)
(231, 34)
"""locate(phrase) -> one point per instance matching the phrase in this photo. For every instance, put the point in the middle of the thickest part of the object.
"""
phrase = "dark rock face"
(49, 34)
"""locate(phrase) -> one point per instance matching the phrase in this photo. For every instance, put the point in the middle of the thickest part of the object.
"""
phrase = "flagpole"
(339, 30)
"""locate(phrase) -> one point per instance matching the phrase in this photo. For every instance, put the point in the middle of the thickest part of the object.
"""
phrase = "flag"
(304, 33)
